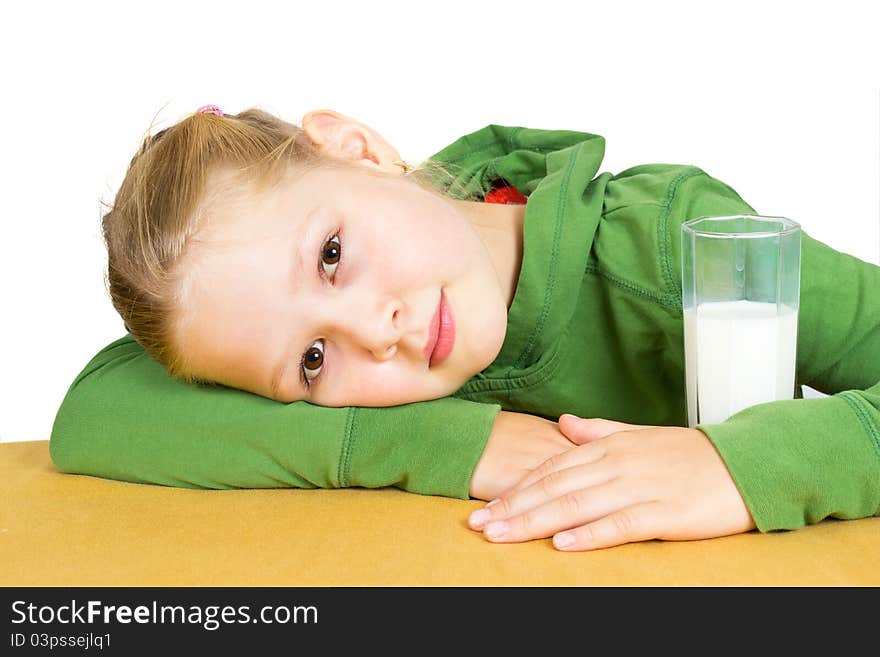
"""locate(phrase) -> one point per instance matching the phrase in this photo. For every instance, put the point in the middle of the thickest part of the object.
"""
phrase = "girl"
(395, 313)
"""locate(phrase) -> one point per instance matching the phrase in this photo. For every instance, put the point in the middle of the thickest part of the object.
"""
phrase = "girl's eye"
(331, 253)
(312, 361)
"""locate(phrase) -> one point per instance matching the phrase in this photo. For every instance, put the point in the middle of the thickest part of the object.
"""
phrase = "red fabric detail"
(506, 195)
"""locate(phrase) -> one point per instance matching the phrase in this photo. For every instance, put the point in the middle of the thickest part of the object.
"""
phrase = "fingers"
(634, 523)
(581, 455)
(552, 486)
(571, 509)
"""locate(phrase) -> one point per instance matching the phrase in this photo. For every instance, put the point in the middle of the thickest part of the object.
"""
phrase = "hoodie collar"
(554, 169)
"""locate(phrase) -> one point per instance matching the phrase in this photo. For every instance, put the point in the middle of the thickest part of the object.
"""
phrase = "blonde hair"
(150, 224)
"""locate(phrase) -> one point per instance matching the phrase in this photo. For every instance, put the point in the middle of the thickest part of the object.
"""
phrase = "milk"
(737, 354)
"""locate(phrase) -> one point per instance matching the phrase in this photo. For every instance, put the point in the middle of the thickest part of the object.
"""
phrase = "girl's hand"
(624, 483)
(518, 444)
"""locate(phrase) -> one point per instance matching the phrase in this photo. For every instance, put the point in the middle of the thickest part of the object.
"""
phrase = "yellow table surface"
(58, 530)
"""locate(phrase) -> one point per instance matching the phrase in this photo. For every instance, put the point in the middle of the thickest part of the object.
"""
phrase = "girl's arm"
(124, 418)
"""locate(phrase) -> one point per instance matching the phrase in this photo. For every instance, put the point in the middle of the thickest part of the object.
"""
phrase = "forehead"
(233, 262)
(234, 204)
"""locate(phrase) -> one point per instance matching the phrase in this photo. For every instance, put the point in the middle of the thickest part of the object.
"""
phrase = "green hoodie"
(595, 329)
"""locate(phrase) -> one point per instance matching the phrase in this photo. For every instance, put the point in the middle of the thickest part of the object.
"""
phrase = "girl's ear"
(344, 138)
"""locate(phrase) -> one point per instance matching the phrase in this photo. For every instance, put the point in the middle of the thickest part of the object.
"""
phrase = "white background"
(781, 100)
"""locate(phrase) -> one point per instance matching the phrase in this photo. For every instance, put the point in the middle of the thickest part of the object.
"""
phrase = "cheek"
(377, 384)
(413, 259)
(367, 387)
(422, 250)
(390, 376)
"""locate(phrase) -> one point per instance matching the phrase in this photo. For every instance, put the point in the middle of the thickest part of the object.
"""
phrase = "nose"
(369, 320)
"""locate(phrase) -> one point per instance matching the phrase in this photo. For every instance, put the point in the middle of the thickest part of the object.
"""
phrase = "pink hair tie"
(213, 109)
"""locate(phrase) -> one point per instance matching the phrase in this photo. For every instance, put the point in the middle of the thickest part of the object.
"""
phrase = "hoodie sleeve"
(798, 461)
(124, 418)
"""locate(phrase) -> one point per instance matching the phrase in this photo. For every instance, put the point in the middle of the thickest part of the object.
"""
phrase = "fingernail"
(493, 502)
(496, 529)
(563, 540)
(479, 518)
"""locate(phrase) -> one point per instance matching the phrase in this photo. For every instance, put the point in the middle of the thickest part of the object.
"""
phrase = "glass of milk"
(740, 284)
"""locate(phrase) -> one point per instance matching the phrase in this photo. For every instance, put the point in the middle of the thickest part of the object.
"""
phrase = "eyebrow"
(296, 273)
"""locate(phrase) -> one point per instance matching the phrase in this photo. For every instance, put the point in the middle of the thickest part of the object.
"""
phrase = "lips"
(441, 333)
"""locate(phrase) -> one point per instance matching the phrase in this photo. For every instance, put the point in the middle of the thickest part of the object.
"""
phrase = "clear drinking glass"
(740, 283)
